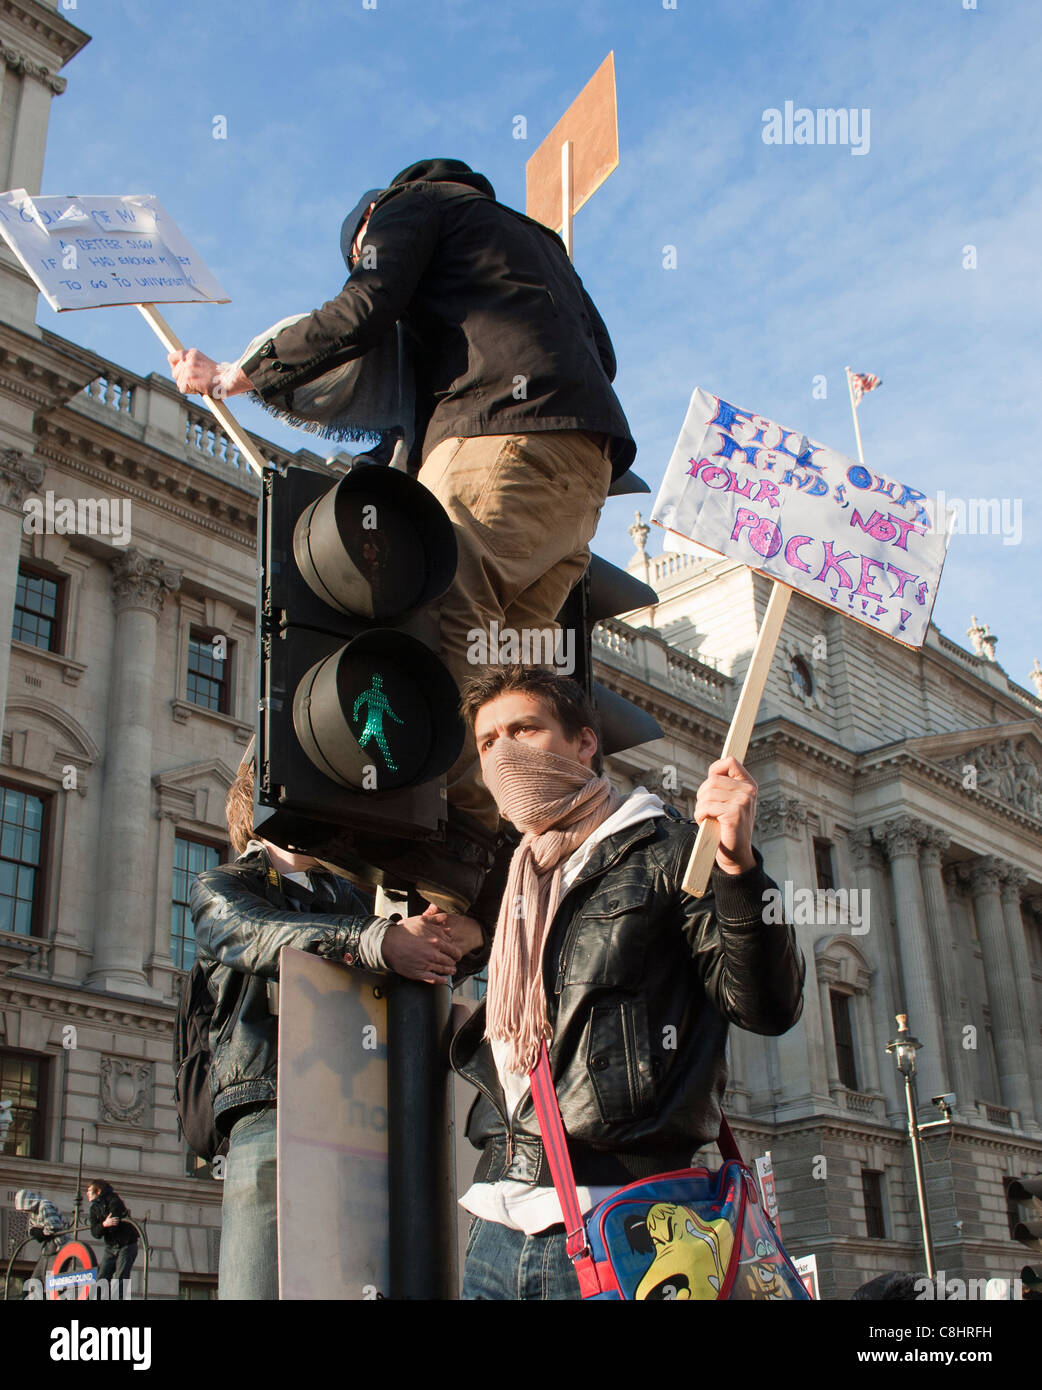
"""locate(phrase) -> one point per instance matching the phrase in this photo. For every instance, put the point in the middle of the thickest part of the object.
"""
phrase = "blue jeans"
(508, 1265)
(249, 1266)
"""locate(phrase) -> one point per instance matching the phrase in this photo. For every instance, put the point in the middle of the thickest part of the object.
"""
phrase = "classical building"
(900, 809)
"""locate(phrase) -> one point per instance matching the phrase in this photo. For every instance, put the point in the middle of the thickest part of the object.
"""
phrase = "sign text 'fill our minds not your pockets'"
(835, 530)
(88, 252)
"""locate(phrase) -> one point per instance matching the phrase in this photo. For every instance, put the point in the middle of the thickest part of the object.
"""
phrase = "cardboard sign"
(821, 523)
(591, 123)
(332, 1130)
(807, 1269)
(86, 252)
(765, 1175)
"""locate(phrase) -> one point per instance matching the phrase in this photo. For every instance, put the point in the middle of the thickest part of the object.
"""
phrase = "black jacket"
(641, 982)
(506, 339)
(111, 1204)
(244, 913)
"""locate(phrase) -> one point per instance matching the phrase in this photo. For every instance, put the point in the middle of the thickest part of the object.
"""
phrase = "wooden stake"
(566, 197)
(169, 339)
(700, 865)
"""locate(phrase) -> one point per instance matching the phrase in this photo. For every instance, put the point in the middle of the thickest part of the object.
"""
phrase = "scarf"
(556, 802)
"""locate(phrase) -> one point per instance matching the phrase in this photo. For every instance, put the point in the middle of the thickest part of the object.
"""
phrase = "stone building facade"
(900, 806)
(900, 811)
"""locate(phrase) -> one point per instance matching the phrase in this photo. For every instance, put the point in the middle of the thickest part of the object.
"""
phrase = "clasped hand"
(428, 947)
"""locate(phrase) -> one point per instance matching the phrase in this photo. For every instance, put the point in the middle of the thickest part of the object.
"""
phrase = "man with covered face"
(599, 951)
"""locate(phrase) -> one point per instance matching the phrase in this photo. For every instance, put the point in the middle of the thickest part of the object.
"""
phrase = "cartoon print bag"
(691, 1234)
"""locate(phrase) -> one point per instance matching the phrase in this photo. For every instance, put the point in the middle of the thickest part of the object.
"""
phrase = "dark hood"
(444, 171)
(353, 221)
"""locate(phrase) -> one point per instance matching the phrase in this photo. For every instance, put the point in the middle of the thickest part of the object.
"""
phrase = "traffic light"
(1024, 1199)
(602, 592)
(358, 717)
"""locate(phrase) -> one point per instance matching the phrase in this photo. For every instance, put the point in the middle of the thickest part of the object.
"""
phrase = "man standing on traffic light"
(522, 431)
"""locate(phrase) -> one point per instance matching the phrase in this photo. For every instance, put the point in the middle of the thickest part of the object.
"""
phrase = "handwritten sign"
(85, 252)
(835, 530)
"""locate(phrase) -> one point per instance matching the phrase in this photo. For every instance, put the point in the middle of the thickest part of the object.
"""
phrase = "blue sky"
(792, 261)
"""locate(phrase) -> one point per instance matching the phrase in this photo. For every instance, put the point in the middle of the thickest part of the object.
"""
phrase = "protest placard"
(98, 252)
(93, 252)
(830, 527)
(810, 519)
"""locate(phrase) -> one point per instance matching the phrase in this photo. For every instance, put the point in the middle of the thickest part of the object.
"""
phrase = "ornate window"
(38, 610)
(875, 1215)
(22, 817)
(191, 857)
(209, 667)
(844, 1035)
(22, 1082)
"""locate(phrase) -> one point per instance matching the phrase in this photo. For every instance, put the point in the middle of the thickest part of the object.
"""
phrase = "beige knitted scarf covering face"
(556, 802)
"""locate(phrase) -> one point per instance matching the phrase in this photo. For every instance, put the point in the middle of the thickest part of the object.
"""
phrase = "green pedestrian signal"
(375, 698)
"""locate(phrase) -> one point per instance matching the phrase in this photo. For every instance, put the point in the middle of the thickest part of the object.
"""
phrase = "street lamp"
(903, 1048)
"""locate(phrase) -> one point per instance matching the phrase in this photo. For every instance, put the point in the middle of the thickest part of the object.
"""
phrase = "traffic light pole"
(420, 1179)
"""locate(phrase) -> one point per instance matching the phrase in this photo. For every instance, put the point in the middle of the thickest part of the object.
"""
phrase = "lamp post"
(903, 1047)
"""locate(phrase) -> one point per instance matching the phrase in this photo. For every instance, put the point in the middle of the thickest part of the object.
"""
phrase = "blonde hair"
(238, 807)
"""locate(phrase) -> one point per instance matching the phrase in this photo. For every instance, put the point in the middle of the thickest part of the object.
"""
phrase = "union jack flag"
(860, 382)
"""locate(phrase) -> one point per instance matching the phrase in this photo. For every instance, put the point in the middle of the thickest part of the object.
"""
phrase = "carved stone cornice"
(781, 815)
(73, 1002)
(903, 835)
(28, 67)
(18, 477)
(142, 581)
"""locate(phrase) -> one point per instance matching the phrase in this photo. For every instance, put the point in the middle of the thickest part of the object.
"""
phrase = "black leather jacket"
(489, 300)
(111, 1204)
(641, 982)
(244, 913)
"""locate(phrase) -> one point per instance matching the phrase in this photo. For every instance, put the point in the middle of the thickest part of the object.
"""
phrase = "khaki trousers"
(524, 508)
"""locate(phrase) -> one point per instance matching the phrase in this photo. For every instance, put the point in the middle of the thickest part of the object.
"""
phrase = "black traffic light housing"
(358, 718)
(602, 592)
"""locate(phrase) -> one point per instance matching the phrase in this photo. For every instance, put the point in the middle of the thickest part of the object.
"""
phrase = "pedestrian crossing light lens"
(379, 713)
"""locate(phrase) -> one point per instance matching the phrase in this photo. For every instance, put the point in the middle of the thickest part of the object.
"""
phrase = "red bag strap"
(551, 1126)
(555, 1145)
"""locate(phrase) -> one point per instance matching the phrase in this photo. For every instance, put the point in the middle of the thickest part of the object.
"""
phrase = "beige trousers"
(524, 508)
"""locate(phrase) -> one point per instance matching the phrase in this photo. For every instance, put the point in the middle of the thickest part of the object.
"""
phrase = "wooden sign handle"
(170, 341)
(736, 744)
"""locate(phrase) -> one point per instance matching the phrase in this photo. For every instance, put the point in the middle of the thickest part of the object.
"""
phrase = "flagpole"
(853, 411)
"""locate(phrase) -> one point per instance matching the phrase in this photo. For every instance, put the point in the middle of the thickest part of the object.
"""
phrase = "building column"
(871, 872)
(938, 922)
(19, 476)
(903, 836)
(1010, 1051)
(123, 926)
(781, 836)
(1012, 881)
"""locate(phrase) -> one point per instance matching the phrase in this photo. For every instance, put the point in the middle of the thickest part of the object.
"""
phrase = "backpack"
(192, 1067)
